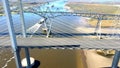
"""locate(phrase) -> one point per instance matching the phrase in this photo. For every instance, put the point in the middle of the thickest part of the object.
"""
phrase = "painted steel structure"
(11, 32)
(16, 46)
(22, 19)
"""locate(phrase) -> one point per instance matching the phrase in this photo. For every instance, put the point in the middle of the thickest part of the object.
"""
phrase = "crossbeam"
(67, 43)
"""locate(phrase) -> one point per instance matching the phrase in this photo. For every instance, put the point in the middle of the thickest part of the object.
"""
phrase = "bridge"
(37, 10)
(53, 14)
(63, 42)
(92, 15)
(102, 16)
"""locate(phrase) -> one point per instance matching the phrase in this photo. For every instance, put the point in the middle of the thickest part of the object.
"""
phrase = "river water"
(48, 58)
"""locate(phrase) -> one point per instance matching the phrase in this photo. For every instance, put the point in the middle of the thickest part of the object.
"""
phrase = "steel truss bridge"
(100, 16)
(97, 16)
(26, 43)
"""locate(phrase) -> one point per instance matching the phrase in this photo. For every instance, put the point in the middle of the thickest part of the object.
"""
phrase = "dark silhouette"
(36, 65)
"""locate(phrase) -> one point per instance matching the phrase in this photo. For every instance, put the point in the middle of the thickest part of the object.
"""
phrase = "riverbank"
(52, 58)
(97, 8)
(95, 60)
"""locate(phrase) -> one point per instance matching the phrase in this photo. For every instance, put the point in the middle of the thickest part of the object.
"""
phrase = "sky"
(77, 0)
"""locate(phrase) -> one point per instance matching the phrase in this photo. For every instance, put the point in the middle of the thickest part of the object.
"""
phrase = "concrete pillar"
(22, 19)
(116, 59)
(27, 57)
(12, 33)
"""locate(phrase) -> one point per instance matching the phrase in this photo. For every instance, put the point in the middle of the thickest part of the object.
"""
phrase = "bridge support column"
(12, 33)
(45, 25)
(49, 28)
(22, 19)
(98, 28)
(27, 57)
(48, 32)
(116, 59)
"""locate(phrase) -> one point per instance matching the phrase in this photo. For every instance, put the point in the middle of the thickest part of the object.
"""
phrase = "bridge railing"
(6, 54)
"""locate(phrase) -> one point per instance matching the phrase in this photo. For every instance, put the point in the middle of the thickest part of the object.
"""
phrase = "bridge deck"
(67, 42)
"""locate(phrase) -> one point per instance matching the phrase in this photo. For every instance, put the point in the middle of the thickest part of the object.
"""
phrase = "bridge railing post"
(12, 33)
(27, 57)
(22, 19)
(98, 28)
(116, 59)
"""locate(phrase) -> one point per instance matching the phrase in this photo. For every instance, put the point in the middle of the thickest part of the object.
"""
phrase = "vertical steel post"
(12, 33)
(27, 57)
(18, 58)
(45, 25)
(49, 29)
(116, 59)
(22, 19)
(98, 28)
(99, 31)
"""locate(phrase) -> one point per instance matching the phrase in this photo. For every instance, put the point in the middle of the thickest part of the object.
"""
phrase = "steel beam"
(27, 57)
(12, 33)
(98, 28)
(116, 59)
(50, 21)
(49, 28)
(45, 25)
(22, 19)
(18, 58)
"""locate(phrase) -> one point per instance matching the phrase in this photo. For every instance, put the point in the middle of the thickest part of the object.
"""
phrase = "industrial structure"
(65, 41)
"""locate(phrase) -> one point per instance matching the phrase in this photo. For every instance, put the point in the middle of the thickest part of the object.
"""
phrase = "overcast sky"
(76, 0)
